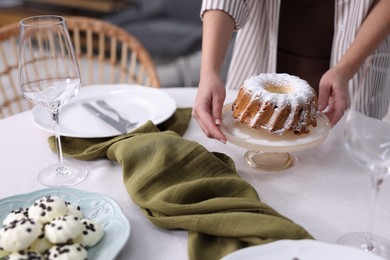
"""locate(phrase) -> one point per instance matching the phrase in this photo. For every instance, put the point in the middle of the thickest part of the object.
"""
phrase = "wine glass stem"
(375, 187)
(61, 169)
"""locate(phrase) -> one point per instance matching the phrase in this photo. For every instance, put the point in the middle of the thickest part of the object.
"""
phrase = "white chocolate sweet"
(63, 229)
(47, 208)
(67, 251)
(74, 210)
(19, 234)
(16, 215)
(92, 233)
(41, 244)
(51, 228)
(24, 255)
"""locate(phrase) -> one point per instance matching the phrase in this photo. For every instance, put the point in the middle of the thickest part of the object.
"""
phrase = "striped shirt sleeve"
(237, 9)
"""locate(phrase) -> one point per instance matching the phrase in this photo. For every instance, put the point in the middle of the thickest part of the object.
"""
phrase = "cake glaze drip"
(277, 103)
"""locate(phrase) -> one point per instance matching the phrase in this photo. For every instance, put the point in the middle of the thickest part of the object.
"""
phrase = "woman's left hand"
(333, 98)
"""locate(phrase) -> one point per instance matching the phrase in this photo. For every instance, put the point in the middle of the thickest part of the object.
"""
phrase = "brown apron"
(305, 38)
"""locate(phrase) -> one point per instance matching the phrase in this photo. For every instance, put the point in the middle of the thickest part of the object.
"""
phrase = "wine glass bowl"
(49, 76)
(367, 139)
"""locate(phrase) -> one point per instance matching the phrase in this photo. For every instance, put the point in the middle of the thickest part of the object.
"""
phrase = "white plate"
(133, 102)
(260, 140)
(94, 206)
(300, 250)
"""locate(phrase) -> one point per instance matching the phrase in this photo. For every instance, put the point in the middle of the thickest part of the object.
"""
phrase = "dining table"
(326, 192)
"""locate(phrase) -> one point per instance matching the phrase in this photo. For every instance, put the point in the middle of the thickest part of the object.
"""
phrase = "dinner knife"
(109, 120)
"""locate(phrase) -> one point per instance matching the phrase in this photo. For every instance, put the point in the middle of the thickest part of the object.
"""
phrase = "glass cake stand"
(268, 152)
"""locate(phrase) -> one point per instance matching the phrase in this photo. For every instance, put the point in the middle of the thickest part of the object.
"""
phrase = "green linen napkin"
(181, 185)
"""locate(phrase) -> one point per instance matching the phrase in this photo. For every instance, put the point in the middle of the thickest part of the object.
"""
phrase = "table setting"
(161, 189)
(327, 201)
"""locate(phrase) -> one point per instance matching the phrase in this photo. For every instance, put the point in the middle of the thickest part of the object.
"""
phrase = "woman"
(359, 28)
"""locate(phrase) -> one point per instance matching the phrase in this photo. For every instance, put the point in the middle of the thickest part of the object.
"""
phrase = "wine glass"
(49, 76)
(368, 141)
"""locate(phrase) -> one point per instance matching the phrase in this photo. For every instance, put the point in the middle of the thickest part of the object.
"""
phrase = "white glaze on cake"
(280, 89)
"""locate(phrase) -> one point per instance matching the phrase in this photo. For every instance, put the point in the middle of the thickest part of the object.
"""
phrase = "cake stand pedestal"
(268, 152)
(269, 162)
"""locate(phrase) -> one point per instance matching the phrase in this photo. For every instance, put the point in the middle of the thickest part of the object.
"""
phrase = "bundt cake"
(277, 103)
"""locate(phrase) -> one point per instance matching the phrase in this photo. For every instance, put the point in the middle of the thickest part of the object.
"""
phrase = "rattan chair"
(106, 54)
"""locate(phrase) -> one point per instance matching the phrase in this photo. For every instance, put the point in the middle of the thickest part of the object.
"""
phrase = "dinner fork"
(128, 124)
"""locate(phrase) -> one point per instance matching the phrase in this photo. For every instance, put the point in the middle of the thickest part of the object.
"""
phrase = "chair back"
(106, 54)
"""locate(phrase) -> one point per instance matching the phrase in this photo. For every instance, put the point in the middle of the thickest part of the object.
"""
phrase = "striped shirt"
(256, 23)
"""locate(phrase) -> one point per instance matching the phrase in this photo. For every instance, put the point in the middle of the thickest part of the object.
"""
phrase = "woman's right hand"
(218, 29)
(208, 106)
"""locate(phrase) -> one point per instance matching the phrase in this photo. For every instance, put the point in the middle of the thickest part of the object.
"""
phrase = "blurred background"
(171, 30)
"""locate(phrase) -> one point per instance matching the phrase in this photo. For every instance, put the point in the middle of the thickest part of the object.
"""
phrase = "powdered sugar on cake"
(293, 100)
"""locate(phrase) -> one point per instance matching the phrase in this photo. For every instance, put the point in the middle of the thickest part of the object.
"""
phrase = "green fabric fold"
(179, 184)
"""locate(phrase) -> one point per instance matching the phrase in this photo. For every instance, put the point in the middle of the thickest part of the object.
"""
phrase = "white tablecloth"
(326, 192)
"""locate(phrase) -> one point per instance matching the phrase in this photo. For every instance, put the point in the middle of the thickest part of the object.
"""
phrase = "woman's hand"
(208, 106)
(333, 89)
(333, 96)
